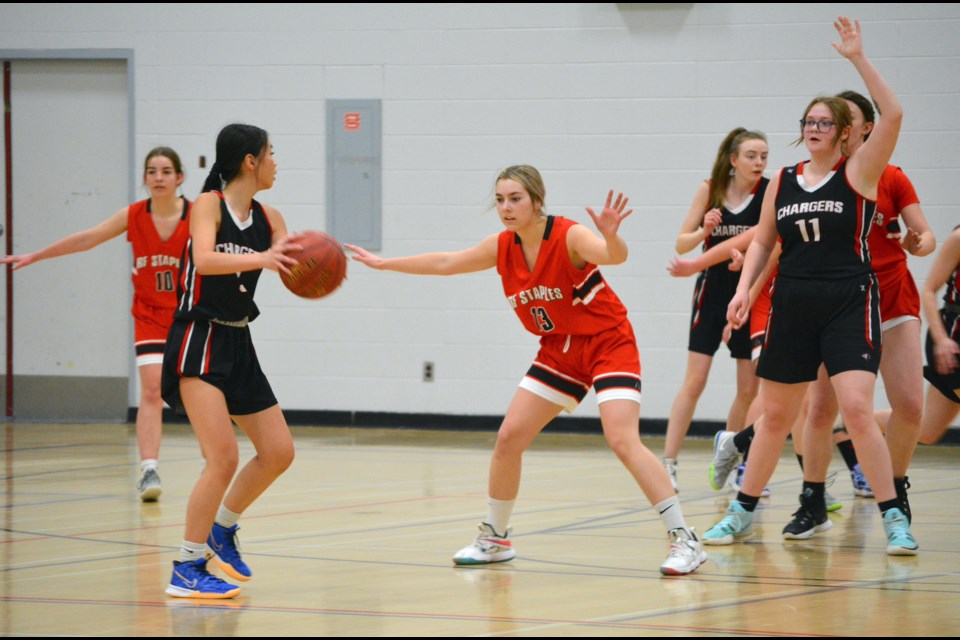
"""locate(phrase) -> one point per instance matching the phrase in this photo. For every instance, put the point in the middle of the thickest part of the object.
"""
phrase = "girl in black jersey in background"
(723, 207)
(825, 303)
(943, 351)
(210, 367)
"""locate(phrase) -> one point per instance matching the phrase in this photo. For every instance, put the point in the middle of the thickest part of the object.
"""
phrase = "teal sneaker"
(736, 525)
(900, 542)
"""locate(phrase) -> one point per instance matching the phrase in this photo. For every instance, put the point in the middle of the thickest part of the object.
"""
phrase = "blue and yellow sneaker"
(192, 580)
(222, 543)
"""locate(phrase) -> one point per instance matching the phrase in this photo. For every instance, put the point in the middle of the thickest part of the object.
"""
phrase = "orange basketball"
(321, 266)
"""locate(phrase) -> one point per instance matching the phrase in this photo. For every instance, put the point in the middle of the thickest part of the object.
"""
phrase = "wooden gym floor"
(356, 539)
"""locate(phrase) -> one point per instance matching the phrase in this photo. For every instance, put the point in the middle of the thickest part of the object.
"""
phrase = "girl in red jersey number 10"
(157, 229)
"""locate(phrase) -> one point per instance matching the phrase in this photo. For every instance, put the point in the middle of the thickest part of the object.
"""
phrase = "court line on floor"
(599, 623)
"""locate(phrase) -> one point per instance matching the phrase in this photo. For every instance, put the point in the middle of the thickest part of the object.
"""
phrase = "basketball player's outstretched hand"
(681, 267)
(363, 256)
(608, 222)
(19, 262)
(851, 44)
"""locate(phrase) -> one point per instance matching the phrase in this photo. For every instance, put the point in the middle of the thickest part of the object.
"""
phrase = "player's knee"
(279, 458)
(820, 416)
(622, 444)
(858, 423)
(932, 435)
(510, 441)
(746, 395)
(150, 396)
(693, 385)
(909, 411)
(222, 464)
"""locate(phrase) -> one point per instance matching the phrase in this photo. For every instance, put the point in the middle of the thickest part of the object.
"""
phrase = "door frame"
(126, 55)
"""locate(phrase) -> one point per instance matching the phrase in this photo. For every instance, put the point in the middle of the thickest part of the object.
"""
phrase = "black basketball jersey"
(823, 229)
(735, 221)
(952, 296)
(225, 297)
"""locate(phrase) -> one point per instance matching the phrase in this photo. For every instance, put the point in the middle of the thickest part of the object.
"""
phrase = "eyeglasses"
(822, 126)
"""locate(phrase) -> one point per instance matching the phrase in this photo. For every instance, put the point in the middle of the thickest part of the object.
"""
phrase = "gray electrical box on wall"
(354, 172)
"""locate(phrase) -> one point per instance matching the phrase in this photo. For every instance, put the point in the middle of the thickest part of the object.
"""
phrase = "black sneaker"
(809, 519)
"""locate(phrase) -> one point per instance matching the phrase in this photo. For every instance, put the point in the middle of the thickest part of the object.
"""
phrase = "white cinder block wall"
(634, 97)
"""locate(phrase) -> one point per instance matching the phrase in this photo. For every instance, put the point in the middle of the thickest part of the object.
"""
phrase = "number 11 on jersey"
(814, 225)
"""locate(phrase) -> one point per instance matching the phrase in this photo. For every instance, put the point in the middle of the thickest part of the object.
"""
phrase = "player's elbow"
(620, 257)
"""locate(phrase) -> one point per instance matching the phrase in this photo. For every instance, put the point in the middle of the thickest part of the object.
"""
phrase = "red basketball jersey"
(156, 263)
(895, 192)
(556, 297)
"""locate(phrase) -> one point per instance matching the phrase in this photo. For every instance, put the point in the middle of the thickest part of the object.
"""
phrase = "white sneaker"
(670, 464)
(686, 553)
(149, 486)
(489, 547)
(725, 458)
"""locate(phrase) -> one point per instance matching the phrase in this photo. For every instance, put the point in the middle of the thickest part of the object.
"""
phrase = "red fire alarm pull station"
(351, 121)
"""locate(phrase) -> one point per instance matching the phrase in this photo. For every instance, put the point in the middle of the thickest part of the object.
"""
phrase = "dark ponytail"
(866, 107)
(235, 142)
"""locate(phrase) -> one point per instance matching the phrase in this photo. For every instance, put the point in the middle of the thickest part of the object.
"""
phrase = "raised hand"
(851, 43)
(608, 222)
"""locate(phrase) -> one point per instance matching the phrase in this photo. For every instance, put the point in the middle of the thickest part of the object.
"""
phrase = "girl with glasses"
(825, 305)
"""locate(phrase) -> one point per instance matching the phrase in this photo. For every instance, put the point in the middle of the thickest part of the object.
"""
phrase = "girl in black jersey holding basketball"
(723, 207)
(210, 367)
(825, 306)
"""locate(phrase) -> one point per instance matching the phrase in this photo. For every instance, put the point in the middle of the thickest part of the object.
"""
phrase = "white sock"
(148, 463)
(226, 518)
(498, 514)
(190, 551)
(671, 513)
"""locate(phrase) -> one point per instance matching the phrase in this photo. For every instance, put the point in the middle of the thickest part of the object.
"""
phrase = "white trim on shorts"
(537, 388)
(149, 358)
(895, 322)
(618, 394)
